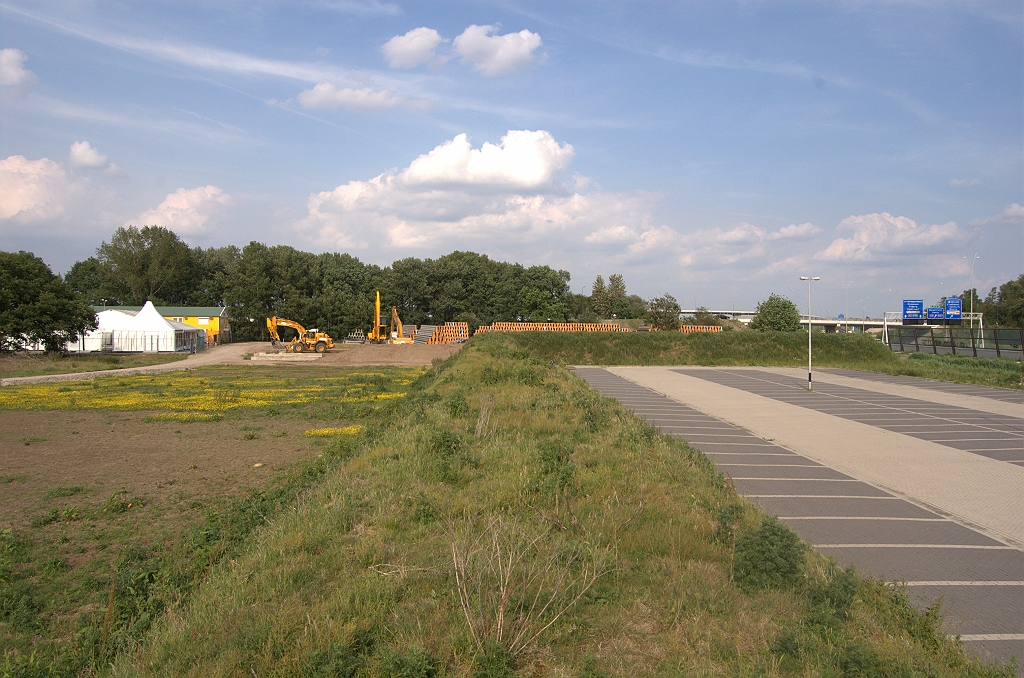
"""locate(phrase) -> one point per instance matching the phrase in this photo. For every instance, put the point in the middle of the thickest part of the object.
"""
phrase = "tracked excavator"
(394, 334)
(305, 340)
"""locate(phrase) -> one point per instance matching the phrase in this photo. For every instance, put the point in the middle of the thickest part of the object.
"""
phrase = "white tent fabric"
(143, 331)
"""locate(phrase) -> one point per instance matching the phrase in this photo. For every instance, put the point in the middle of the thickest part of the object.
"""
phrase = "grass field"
(505, 520)
(117, 495)
(34, 364)
(854, 351)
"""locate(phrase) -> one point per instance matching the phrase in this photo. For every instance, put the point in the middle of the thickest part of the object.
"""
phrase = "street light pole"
(809, 326)
(973, 261)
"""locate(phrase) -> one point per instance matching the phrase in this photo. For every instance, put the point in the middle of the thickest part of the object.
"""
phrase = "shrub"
(416, 663)
(776, 313)
(768, 557)
(663, 312)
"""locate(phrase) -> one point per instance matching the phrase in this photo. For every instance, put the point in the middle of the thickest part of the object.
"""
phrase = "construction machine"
(394, 334)
(305, 340)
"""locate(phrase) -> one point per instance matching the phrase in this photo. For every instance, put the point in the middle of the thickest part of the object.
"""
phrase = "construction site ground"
(349, 355)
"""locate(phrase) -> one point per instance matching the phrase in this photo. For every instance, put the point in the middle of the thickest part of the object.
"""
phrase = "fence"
(977, 343)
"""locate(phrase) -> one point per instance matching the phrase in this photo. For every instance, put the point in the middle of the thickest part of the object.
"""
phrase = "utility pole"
(809, 327)
(973, 261)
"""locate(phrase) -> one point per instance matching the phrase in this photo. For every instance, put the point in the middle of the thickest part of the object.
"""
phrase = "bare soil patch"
(364, 355)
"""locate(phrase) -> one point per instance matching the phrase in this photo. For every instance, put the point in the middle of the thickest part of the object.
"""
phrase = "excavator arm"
(275, 322)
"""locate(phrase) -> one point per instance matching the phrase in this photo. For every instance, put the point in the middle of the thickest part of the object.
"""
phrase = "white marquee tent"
(140, 331)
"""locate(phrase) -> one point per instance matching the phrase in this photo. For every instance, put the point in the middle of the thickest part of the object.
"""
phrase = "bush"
(777, 314)
(663, 312)
(769, 557)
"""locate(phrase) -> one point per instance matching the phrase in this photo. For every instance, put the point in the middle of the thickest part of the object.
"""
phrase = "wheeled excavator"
(305, 340)
(395, 334)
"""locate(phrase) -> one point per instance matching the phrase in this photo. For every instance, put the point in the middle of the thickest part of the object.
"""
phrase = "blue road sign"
(913, 309)
(954, 308)
(936, 313)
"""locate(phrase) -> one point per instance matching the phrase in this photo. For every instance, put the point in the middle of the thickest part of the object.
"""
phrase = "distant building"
(213, 319)
(144, 330)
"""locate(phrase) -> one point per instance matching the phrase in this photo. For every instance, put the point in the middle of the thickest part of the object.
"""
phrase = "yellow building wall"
(212, 326)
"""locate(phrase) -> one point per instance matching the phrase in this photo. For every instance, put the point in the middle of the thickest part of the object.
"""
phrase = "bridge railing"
(977, 343)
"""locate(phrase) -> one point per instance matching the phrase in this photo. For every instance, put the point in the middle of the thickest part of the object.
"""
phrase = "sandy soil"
(167, 464)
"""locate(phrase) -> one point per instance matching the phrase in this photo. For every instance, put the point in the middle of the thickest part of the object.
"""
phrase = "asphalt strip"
(976, 491)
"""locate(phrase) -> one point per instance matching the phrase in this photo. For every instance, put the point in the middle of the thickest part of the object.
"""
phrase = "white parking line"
(963, 583)
(917, 520)
(914, 546)
(969, 637)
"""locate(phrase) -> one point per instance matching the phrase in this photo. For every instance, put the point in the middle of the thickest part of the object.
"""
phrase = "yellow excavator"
(395, 334)
(305, 340)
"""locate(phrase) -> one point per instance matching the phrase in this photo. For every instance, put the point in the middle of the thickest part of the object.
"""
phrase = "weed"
(416, 662)
(68, 514)
(494, 661)
(183, 417)
(769, 556)
(119, 502)
(55, 492)
(6, 480)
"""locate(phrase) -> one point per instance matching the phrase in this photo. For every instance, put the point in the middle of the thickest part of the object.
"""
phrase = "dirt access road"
(343, 355)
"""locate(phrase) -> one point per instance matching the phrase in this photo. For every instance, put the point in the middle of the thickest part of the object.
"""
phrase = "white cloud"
(12, 68)
(496, 54)
(1013, 214)
(523, 159)
(14, 75)
(186, 212)
(961, 183)
(84, 156)
(880, 236)
(33, 189)
(41, 200)
(795, 232)
(499, 194)
(330, 96)
(412, 49)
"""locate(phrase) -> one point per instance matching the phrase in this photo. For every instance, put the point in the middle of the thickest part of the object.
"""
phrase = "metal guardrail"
(977, 343)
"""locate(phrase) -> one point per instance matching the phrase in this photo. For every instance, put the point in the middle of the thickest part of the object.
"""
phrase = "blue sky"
(715, 150)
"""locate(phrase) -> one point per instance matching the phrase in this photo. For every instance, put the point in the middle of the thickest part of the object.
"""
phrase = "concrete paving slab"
(977, 491)
(934, 564)
(888, 531)
(968, 609)
(807, 507)
(930, 385)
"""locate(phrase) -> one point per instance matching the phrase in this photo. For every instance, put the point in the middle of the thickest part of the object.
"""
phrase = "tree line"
(331, 291)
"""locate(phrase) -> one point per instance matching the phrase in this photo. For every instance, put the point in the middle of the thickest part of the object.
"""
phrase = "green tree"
(618, 301)
(86, 279)
(705, 317)
(37, 306)
(776, 313)
(147, 264)
(663, 312)
(600, 303)
(1010, 303)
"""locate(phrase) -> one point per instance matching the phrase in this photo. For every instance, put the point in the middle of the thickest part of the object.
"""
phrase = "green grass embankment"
(509, 521)
(779, 349)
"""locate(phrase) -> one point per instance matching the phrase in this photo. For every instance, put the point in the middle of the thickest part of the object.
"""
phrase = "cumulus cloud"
(84, 156)
(13, 73)
(496, 54)
(795, 232)
(186, 211)
(41, 200)
(34, 189)
(1013, 214)
(509, 192)
(875, 237)
(961, 183)
(329, 96)
(414, 48)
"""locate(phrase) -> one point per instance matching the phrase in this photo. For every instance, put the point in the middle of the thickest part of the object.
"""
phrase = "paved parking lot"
(1003, 394)
(976, 566)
